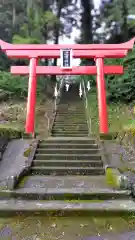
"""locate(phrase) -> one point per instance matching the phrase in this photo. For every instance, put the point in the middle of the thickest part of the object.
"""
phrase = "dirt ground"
(13, 114)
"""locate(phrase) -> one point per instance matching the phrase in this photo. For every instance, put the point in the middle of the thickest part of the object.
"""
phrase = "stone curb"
(13, 180)
(121, 180)
(3, 144)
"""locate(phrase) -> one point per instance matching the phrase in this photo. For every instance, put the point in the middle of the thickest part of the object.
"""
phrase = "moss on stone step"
(115, 179)
(109, 136)
(11, 132)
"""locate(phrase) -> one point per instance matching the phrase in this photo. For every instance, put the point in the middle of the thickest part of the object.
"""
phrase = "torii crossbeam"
(99, 52)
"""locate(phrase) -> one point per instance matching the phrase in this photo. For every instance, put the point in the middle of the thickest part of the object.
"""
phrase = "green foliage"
(118, 115)
(50, 20)
(21, 40)
(122, 88)
(10, 132)
(115, 15)
(119, 88)
(15, 84)
(18, 85)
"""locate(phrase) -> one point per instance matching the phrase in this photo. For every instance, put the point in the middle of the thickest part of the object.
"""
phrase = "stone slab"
(116, 206)
(90, 182)
(73, 191)
(112, 152)
(14, 163)
(70, 138)
(123, 236)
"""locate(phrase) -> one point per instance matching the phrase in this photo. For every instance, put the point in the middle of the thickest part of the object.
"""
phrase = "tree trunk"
(124, 23)
(86, 27)
(56, 37)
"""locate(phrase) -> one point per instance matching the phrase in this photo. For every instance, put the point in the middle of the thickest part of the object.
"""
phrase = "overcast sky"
(74, 34)
(96, 2)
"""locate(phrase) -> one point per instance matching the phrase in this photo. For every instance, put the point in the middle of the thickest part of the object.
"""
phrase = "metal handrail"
(87, 108)
(57, 99)
(56, 102)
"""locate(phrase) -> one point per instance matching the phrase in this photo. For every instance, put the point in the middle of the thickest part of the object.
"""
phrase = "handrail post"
(31, 102)
(87, 109)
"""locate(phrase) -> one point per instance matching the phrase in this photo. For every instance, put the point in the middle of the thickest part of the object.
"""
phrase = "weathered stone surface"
(65, 182)
(106, 206)
(123, 236)
(3, 145)
(98, 191)
(14, 162)
(76, 194)
(60, 171)
(112, 153)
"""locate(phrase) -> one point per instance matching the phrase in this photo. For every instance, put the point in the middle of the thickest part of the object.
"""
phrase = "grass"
(118, 115)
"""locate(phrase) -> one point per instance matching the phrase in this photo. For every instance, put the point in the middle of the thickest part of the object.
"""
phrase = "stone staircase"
(70, 152)
(68, 171)
(70, 119)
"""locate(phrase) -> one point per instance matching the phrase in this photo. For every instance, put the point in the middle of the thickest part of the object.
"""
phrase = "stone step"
(70, 111)
(71, 114)
(69, 131)
(74, 121)
(80, 112)
(81, 124)
(68, 135)
(70, 123)
(71, 117)
(66, 151)
(12, 206)
(77, 106)
(84, 133)
(66, 111)
(69, 140)
(68, 163)
(70, 104)
(67, 122)
(60, 171)
(86, 182)
(74, 126)
(58, 156)
(67, 194)
(68, 145)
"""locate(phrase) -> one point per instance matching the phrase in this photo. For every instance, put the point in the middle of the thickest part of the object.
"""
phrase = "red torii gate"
(96, 51)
